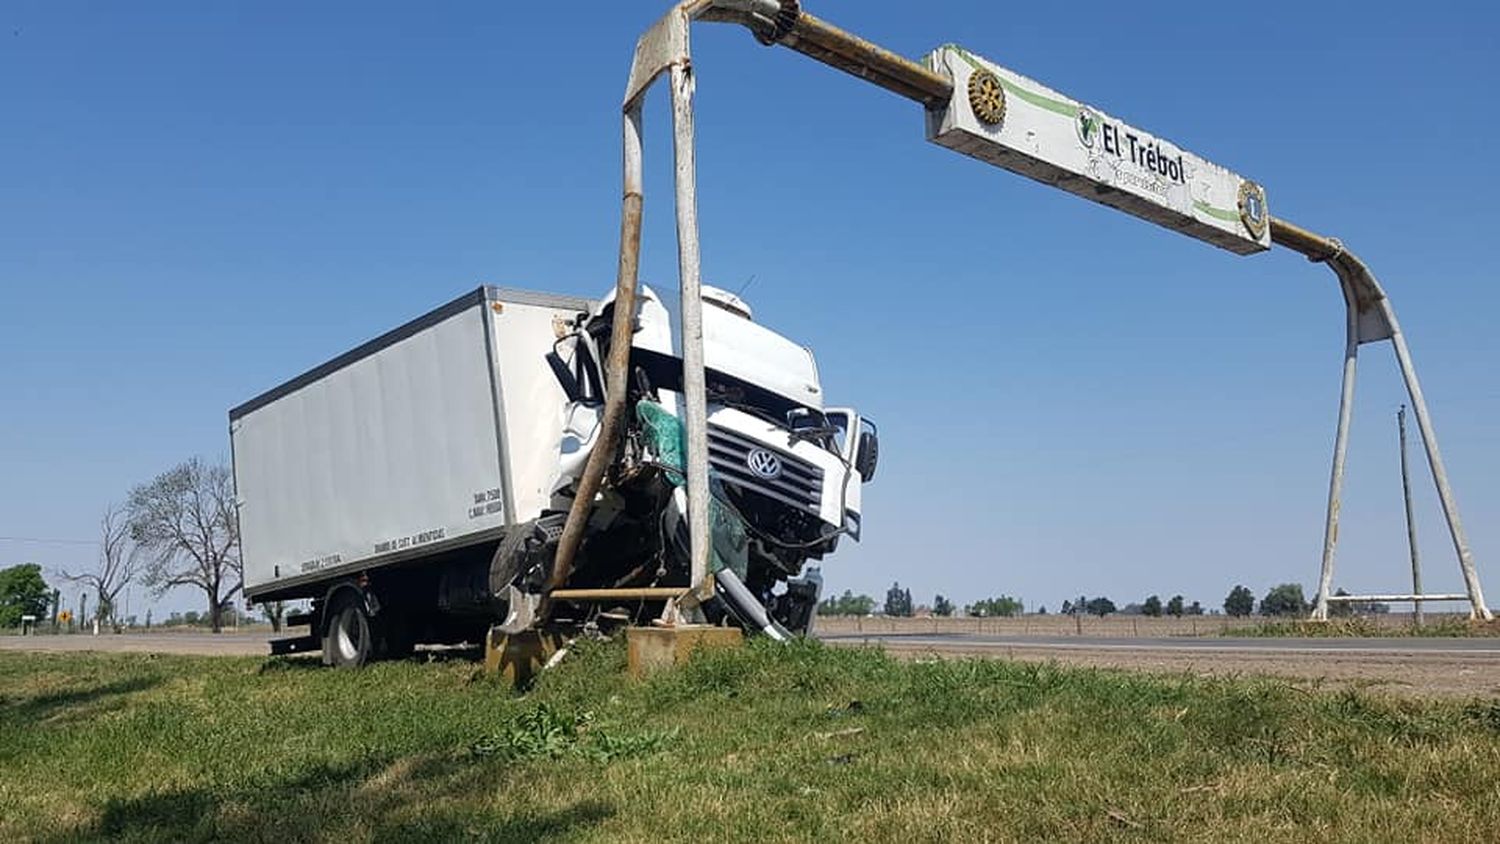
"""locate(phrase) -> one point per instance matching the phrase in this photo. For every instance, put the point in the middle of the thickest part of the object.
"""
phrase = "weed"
(542, 731)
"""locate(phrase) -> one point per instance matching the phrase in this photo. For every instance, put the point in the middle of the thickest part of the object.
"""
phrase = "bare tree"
(275, 613)
(185, 520)
(119, 563)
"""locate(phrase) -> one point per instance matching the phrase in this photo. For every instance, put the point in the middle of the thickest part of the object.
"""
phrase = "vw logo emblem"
(763, 463)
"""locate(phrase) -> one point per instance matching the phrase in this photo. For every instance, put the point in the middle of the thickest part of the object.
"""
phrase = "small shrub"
(544, 732)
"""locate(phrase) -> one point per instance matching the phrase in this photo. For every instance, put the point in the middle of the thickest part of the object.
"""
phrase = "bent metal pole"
(617, 365)
(1369, 316)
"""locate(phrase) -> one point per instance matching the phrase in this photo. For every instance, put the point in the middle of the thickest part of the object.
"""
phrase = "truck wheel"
(347, 642)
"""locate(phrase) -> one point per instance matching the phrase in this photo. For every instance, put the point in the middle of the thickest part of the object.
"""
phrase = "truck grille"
(799, 485)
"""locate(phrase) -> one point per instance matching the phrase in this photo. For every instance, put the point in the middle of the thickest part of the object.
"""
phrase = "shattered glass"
(666, 438)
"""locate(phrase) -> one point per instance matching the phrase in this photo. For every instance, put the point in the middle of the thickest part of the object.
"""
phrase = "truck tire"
(526, 551)
(347, 641)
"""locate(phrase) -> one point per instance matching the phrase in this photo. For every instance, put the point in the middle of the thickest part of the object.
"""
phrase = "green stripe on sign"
(1218, 213)
(1066, 109)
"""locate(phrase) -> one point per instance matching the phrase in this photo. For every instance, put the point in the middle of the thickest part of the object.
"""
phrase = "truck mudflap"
(295, 645)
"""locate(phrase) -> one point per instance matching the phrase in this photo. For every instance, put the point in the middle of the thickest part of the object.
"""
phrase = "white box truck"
(414, 488)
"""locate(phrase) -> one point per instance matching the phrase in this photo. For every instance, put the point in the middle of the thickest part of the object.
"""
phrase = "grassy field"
(759, 744)
(1446, 627)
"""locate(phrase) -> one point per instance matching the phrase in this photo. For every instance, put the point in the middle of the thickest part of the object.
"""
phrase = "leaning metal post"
(1435, 463)
(1340, 449)
(618, 364)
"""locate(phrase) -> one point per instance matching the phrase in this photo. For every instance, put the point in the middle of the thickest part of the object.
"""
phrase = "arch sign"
(983, 110)
(1003, 118)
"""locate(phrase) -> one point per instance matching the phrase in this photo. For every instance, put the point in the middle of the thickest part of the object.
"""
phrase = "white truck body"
(416, 487)
(445, 431)
(436, 434)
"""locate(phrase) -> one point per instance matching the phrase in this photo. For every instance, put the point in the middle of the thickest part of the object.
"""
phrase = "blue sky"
(198, 201)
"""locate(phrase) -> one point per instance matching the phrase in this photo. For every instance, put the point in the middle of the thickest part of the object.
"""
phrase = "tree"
(847, 604)
(1152, 606)
(275, 611)
(942, 606)
(1174, 606)
(185, 520)
(1195, 608)
(1100, 606)
(898, 601)
(1240, 602)
(1283, 600)
(22, 592)
(1341, 609)
(1067, 607)
(1002, 607)
(119, 562)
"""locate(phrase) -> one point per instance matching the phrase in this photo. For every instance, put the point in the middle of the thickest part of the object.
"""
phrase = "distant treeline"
(1282, 600)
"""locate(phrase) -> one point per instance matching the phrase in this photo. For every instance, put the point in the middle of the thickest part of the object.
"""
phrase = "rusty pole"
(618, 364)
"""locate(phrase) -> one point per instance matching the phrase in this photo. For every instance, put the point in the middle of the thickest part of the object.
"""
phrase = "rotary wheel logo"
(763, 463)
(1253, 208)
(986, 97)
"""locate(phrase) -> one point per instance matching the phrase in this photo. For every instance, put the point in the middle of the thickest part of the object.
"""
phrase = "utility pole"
(1411, 523)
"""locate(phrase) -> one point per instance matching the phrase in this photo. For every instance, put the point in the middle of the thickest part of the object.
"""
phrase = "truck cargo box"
(430, 437)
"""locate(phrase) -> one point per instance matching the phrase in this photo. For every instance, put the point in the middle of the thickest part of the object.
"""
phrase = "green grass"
(761, 744)
(1444, 628)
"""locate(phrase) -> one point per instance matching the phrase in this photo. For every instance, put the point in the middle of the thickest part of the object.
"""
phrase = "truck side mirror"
(868, 455)
(565, 377)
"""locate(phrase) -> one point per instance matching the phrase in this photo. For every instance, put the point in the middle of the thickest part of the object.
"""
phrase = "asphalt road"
(226, 644)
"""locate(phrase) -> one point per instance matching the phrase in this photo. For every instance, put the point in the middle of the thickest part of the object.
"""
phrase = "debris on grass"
(544, 732)
(851, 731)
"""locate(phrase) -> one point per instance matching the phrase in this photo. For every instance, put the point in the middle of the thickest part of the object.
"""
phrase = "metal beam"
(1419, 598)
(626, 593)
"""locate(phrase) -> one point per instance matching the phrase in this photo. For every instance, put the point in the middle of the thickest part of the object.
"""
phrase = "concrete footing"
(655, 648)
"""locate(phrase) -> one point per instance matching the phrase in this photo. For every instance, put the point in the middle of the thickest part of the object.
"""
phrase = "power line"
(45, 541)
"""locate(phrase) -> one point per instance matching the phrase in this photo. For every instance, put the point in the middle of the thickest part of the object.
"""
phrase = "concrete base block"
(655, 648)
(519, 656)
